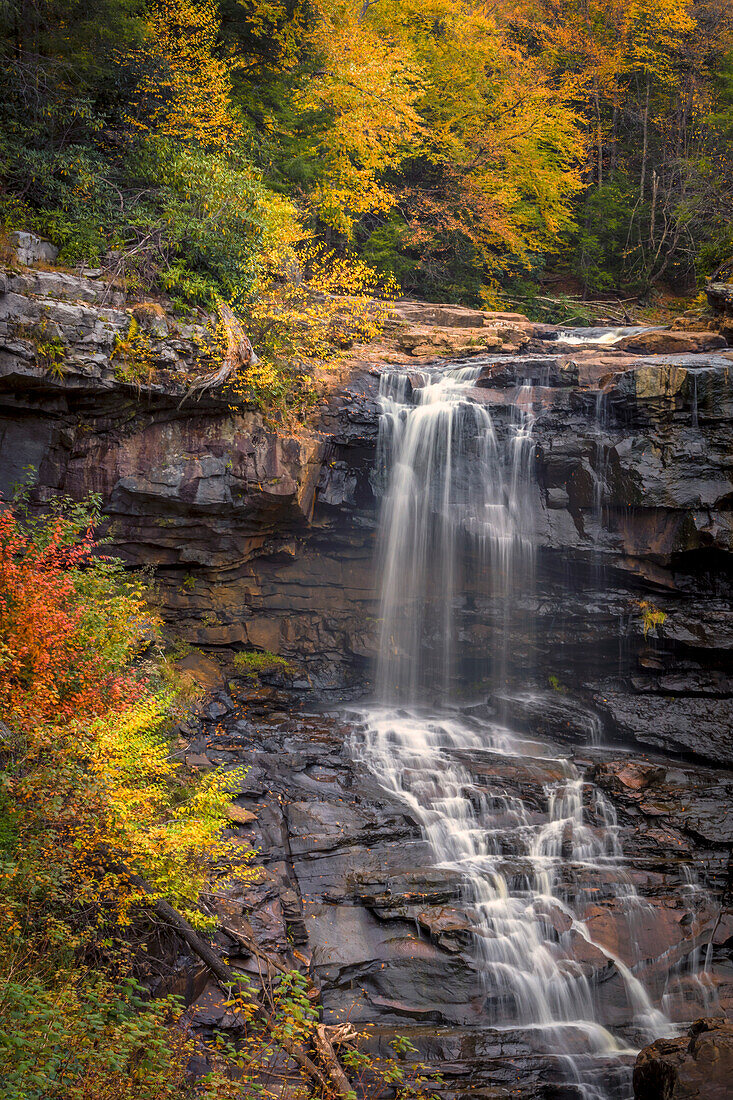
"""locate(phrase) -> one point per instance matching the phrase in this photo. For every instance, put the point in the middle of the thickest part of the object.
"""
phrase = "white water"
(535, 847)
(601, 336)
(448, 484)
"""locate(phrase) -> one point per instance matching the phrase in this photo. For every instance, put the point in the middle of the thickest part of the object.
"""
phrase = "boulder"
(30, 249)
(720, 297)
(200, 671)
(697, 1065)
(661, 342)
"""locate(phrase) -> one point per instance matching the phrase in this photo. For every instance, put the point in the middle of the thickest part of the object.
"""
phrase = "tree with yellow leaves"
(498, 163)
(364, 94)
(184, 87)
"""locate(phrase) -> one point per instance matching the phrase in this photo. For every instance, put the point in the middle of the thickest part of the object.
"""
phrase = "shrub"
(90, 795)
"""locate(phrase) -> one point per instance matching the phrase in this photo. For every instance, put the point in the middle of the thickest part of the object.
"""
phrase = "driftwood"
(239, 353)
(335, 1082)
(546, 302)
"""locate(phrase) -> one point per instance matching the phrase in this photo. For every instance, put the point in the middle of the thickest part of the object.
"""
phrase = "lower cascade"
(458, 515)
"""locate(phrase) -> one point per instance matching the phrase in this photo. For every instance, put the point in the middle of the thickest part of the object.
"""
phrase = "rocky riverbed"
(621, 662)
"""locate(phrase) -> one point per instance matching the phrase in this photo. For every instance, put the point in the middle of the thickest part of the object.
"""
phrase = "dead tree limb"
(325, 1038)
(336, 1083)
(239, 353)
(324, 1046)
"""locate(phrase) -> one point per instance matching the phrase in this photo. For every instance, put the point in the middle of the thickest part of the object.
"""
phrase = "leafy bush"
(201, 228)
(307, 306)
(90, 795)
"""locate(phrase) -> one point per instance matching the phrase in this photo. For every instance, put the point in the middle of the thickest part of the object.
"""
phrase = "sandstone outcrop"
(672, 343)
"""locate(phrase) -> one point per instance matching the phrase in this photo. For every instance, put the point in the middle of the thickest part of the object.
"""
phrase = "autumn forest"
(469, 151)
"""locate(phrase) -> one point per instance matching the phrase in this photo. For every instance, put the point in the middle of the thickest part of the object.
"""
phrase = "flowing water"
(602, 336)
(534, 845)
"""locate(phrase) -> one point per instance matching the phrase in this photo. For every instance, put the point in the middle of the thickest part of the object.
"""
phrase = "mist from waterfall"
(458, 514)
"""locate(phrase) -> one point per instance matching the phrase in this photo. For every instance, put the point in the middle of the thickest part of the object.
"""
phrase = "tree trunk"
(599, 139)
(645, 144)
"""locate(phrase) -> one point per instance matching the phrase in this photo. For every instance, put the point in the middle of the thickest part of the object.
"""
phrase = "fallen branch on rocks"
(334, 1082)
(254, 949)
(606, 307)
(325, 1038)
(330, 1060)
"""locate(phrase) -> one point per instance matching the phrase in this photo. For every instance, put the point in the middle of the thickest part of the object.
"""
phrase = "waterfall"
(531, 851)
(454, 501)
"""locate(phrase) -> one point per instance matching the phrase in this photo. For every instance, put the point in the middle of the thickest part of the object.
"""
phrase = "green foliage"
(207, 223)
(50, 352)
(253, 664)
(97, 1040)
(387, 250)
(600, 247)
(132, 355)
(197, 147)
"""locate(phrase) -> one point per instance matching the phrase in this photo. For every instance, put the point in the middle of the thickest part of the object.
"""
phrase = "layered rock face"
(634, 527)
(620, 655)
(265, 539)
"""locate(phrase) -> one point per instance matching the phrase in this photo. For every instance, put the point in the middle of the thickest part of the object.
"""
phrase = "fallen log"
(335, 1082)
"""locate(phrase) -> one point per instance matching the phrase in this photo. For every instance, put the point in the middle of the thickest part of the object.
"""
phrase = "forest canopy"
(462, 148)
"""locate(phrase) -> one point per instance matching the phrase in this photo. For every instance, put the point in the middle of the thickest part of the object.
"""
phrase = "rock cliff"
(263, 538)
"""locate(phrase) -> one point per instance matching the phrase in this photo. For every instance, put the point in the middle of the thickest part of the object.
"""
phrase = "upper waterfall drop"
(455, 502)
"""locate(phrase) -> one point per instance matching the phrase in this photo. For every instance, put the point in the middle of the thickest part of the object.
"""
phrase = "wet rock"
(210, 1009)
(666, 342)
(696, 1066)
(694, 725)
(198, 761)
(240, 816)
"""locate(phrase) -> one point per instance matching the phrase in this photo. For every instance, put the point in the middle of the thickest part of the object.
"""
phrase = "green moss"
(179, 649)
(254, 664)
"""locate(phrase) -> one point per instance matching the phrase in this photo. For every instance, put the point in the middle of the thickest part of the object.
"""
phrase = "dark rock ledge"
(697, 1066)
